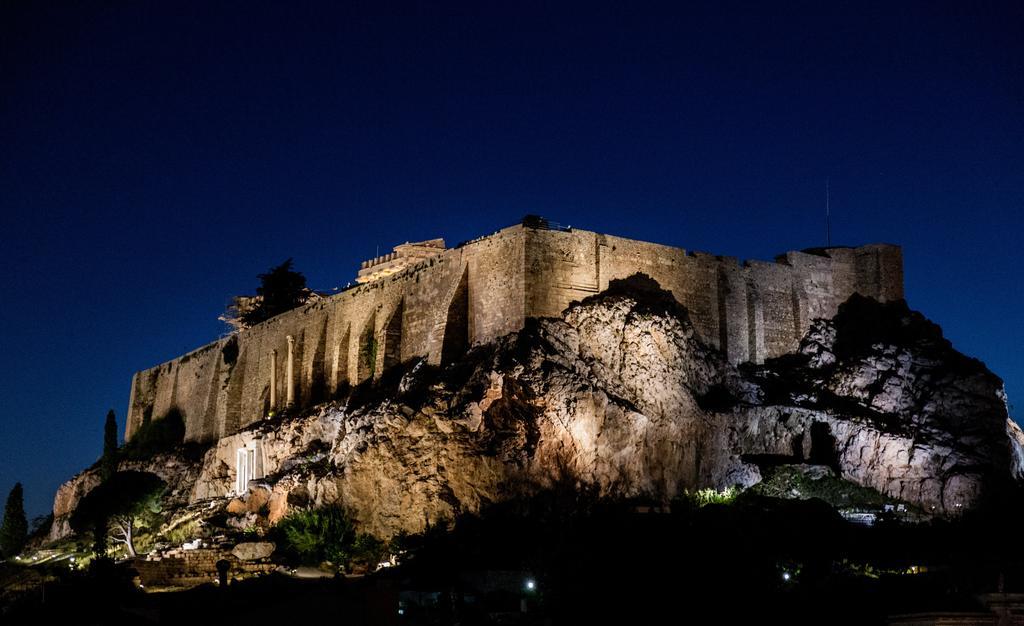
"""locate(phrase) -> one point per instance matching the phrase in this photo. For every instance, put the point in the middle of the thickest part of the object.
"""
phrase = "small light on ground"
(786, 576)
(531, 585)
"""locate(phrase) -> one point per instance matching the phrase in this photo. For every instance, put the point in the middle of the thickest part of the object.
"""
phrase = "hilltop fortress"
(569, 364)
(427, 301)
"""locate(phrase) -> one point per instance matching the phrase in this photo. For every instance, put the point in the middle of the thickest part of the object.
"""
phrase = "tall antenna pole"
(828, 215)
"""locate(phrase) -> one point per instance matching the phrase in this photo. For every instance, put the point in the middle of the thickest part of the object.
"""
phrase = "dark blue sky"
(154, 157)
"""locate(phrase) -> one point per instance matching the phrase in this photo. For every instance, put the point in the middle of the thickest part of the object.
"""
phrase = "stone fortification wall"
(487, 288)
(188, 568)
(751, 311)
(438, 308)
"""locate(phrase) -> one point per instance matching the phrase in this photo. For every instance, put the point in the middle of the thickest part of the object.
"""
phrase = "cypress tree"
(109, 461)
(14, 530)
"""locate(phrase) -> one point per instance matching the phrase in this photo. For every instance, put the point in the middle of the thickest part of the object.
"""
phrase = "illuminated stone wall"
(751, 311)
(340, 340)
(484, 289)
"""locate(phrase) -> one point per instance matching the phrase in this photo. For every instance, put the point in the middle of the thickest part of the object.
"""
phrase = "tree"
(328, 534)
(281, 289)
(109, 460)
(14, 530)
(123, 503)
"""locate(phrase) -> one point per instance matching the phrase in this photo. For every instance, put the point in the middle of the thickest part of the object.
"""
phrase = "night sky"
(155, 157)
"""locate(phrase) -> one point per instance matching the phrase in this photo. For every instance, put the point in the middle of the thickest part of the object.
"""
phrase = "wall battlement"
(402, 257)
(439, 306)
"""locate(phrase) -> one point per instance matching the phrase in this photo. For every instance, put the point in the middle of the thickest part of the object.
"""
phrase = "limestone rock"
(66, 500)
(243, 522)
(253, 550)
(617, 393)
(916, 419)
(621, 392)
(177, 470)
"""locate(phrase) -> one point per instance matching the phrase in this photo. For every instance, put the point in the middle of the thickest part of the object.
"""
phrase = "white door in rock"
(246, 464)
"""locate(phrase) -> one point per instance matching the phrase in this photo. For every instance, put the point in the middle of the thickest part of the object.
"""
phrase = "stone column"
(290, 373)
(273, 380)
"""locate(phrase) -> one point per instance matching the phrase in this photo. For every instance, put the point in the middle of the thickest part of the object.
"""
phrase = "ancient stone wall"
(751, 311)
(188, 568)
(341, 340)
(482, 290)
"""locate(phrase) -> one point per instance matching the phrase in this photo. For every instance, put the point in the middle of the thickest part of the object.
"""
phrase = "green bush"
(368, 549)
(794, 482)
(313, 536)
(182, 533)
(705, 497)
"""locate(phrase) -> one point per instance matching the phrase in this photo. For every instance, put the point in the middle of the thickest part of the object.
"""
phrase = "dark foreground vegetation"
(568, 557)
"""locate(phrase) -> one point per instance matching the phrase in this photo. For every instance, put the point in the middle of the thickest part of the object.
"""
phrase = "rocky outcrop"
(885, 369)
(253, 550)
(621, 393)
(179, 471)
(67, 498)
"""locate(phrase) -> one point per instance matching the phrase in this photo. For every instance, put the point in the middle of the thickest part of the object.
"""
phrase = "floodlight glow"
(785, 576)
(531, 585)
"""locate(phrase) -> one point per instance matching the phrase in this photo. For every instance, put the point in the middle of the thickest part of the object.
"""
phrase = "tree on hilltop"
(281, 289)
(14, 530)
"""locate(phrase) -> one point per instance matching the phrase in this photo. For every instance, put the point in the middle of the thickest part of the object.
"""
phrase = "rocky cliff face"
(179, 471)
(621, 393)
(890, 369)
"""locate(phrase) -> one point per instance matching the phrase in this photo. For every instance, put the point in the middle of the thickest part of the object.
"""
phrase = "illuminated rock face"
(887, 368)
(180, 474)
(622, 392)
